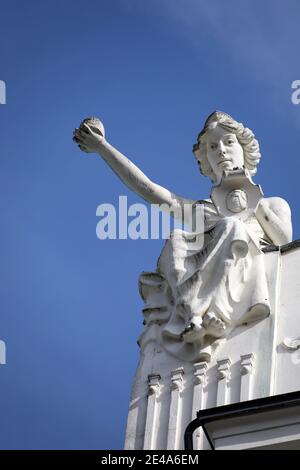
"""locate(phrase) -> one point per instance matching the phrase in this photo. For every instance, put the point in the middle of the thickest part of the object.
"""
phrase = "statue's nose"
(221, 149)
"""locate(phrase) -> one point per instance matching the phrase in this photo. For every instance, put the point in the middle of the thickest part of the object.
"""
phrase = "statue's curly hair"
(244, 136)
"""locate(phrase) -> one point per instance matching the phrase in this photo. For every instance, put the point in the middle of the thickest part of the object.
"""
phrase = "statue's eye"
(230, 141)
(213, 146)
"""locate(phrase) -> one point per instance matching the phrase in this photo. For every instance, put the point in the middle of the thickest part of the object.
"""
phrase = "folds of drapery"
(220, 269)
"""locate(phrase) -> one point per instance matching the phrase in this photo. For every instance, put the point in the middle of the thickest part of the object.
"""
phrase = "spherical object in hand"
(95, 124)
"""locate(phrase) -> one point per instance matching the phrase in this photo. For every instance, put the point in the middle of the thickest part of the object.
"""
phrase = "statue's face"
(224, 152)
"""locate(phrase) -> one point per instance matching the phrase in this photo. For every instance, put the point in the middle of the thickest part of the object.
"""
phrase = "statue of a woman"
(206, 289)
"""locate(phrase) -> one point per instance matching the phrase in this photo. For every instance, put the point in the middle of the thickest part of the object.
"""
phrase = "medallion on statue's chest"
(236, 194)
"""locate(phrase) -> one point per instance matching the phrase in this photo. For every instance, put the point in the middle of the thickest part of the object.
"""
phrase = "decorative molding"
(200, 369)
(224, 369)
(223, 377)
(177, 379)
(151, 415)
(153, 384)
(200, 380)
(175, 406)
(247, 364)
(246, 370)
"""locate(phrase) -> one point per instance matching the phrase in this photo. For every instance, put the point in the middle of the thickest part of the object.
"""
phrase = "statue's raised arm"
(90, 137)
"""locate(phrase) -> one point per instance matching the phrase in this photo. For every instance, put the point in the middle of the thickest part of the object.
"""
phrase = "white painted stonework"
(245, 366)
(220, 316)
(253, 362)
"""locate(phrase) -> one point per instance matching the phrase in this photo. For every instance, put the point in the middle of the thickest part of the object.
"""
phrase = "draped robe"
(219, 269)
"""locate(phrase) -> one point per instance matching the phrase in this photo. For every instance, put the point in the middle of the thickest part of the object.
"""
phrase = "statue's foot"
(214, 326)
(193, 331)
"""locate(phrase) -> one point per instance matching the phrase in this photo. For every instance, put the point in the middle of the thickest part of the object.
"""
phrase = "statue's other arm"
(274, 215)
(91, 141)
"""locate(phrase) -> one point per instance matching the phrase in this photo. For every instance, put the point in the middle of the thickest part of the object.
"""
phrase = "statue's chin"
(227, 165)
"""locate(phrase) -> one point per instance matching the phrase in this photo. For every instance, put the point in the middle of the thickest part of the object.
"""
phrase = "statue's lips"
(226, 160)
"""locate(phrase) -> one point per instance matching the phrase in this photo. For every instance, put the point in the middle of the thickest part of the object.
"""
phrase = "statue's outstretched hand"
(90, 135)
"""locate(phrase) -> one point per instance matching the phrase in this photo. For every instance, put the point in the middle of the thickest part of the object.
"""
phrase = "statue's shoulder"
(278, 205)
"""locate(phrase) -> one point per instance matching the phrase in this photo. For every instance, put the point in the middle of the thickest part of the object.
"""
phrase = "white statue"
(202, 290)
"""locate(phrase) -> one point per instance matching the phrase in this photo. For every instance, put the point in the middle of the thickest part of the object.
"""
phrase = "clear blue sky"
(152, 71)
